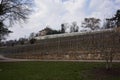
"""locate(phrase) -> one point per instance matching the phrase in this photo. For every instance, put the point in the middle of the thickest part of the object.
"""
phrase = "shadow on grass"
(104, 71)
(104, 74)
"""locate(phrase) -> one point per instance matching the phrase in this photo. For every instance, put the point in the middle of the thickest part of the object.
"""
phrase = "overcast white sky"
(55, 12)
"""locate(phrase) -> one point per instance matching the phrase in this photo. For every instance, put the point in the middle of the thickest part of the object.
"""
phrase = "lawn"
(57, 71)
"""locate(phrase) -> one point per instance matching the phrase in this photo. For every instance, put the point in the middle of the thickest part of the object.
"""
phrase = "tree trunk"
(109, 58)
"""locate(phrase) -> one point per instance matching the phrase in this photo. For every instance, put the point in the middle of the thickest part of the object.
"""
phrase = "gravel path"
(5, 59)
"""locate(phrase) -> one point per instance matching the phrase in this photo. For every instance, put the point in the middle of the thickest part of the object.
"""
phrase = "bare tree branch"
(13, 11)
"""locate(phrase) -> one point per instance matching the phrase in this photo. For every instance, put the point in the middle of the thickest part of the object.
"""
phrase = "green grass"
(57, 71)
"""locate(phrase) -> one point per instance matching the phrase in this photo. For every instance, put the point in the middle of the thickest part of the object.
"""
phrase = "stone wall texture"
(79, 46)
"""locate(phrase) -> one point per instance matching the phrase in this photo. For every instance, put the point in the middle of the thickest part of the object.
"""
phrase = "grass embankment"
(58, 71)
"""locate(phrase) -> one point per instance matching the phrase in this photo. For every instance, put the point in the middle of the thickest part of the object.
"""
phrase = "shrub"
(32, 41)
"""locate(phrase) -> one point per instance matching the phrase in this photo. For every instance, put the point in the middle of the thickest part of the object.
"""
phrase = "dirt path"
(5, 59)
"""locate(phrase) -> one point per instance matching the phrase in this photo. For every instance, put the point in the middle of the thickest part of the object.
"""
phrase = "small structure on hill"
(45, 31)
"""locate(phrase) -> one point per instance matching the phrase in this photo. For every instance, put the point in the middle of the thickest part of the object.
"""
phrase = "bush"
(32, 41)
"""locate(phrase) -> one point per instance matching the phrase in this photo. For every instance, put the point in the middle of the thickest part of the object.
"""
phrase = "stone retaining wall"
(91, 46)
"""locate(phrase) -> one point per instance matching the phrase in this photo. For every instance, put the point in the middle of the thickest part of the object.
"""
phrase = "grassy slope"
(57, 71)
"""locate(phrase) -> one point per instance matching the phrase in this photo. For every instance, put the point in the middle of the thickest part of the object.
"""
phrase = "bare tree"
(32, 35)
(109, 47)
(13, 11)
(3, 31)
(108, 24)
(63, 27)
(74, 27)
(91, 23)
(108, 56)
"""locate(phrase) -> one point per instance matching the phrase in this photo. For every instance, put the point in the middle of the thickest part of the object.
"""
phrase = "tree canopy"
(116, 18)
(92, 23)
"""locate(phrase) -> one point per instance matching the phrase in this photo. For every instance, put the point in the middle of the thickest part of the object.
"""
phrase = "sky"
(54, 12)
